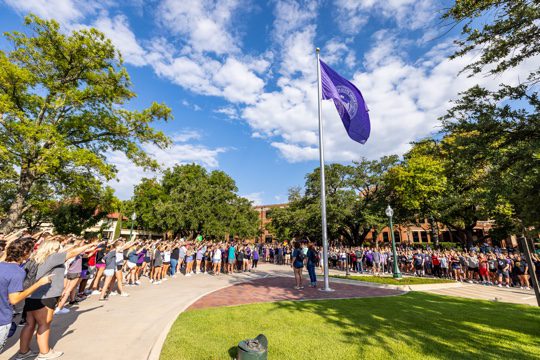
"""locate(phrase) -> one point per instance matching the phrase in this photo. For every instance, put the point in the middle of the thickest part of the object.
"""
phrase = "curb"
(419, 287)
(155, 351)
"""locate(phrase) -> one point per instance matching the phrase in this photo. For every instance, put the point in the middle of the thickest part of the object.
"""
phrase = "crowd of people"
(483, 265)
(42, 275)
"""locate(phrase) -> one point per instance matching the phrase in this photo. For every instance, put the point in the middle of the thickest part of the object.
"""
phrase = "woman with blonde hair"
(39, 307)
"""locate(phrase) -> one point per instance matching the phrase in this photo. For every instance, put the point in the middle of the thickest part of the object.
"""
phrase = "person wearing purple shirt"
(11, 283)
(255, 258)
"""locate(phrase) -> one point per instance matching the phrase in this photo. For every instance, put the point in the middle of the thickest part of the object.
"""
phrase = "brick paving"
(282, 288)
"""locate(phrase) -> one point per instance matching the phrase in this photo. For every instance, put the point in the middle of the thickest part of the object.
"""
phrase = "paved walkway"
(128, 328)
(280, 288)
(493, 293)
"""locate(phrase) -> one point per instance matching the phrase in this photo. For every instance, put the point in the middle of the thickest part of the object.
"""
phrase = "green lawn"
(412, 326)
(391, 281)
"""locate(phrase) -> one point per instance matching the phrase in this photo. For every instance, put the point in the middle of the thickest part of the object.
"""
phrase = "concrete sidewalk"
(135, 327)
(127, 328)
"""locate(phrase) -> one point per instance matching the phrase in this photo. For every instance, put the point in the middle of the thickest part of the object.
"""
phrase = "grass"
(412, 326)
(391, 281)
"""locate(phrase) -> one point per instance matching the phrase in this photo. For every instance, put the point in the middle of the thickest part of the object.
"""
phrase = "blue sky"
(240, 77)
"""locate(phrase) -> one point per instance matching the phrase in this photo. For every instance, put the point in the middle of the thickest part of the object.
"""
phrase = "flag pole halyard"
(323, 182)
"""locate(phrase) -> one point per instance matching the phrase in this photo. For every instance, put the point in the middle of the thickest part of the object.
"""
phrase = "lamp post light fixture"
(397, 274)
(133, 218)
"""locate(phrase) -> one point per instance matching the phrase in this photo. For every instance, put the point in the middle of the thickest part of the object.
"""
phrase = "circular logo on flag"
(348, 99)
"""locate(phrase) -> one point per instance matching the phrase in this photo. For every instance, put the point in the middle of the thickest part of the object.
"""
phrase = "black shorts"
(166, 263)
(73, 276)
(36, 304)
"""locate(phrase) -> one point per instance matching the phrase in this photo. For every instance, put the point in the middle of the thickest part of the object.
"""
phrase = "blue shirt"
(11, 281)
(231, 252)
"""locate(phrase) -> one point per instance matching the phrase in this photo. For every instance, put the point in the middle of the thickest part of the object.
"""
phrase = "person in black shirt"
(175, 256)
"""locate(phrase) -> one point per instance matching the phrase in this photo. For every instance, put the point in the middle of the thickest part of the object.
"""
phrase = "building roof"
(116, 215)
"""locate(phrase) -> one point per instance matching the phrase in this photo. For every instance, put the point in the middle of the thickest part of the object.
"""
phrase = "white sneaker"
(508, 286)
(138, 282)
(124, 294)
(165, 279)
(189, 274)
(52, 354)
(95, 292)
(499, 285)
(527, 288)
(113, 293)
(61, 311)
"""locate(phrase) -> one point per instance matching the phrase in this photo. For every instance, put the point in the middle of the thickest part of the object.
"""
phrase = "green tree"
(62, 108)
(355, 203)
(189, 200)
(498, 131)
(72, 216)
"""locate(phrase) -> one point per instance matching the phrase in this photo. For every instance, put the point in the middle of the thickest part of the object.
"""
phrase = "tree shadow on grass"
(432, 325)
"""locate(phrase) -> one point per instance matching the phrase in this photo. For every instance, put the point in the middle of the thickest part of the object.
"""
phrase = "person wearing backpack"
(298, 264)
(11, 284)
(312, 261)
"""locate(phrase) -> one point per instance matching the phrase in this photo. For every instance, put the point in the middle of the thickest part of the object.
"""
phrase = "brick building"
(411, 233)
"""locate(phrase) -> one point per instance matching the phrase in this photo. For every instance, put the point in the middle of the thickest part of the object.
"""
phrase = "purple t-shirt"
(11, 281)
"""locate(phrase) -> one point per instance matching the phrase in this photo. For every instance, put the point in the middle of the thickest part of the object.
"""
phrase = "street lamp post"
(397, 274)
(133, 218)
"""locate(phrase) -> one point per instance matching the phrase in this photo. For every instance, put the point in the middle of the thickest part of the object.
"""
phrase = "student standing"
(11, 284)
(298, 265)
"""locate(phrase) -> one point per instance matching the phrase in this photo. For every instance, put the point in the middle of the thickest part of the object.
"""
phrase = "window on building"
(415, 237)
(423, 234)
(397, 236)
(268, 239)
(385, 236)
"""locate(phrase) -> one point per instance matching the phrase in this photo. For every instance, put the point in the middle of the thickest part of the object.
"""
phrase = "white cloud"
(117, 29)
(292, 16)
(64, 11)
(180, 152)
(228, 111)
(255, 197)
(203, 23)
(185, 136)
(353, 15)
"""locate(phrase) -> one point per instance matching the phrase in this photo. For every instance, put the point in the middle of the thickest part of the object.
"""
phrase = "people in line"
(49, 274)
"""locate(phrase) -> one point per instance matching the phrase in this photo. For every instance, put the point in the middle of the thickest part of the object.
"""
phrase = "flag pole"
(323, 182)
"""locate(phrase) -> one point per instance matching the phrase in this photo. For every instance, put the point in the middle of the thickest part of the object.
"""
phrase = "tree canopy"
(189, 200)
(63, 100)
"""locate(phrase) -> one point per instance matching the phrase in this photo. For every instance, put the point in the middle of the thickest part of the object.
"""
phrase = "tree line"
(483, 164)
(64, 104)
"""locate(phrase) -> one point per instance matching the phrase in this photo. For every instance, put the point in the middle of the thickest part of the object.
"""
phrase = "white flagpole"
(323, 182)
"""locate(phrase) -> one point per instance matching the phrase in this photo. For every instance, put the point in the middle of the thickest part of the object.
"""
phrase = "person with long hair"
(216, 260)
(40, 305)
(297, 265)
(11, 283)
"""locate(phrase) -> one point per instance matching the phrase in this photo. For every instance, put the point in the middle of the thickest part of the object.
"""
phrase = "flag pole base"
(327, 289)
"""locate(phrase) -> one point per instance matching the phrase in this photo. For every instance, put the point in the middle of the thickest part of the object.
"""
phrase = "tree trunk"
(18, 206)
(469, 236)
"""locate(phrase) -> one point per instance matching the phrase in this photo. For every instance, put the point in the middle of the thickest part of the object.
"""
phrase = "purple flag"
(349, 103)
